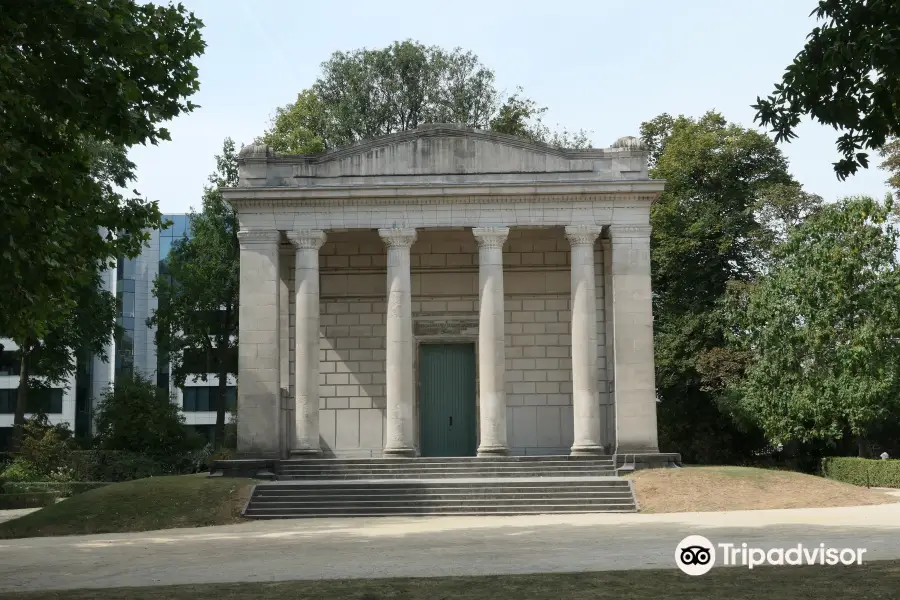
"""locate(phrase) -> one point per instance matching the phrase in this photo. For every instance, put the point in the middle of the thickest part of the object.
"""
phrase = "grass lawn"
(873, 581)
(141, 505)
(704, 489)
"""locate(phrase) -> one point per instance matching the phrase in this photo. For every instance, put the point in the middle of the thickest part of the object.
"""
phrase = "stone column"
(400, 426)
(635, 379)
(259, 361)
(306, 342)
(491, 340)
(585, 393)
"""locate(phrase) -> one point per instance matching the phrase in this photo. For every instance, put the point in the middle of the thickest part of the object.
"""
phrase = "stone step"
(406, 475)
(446, 467)
(440, 501)
(395, 486)
(449, 459)
(326, 498)
(461, 510)
(424, 473)
(440, 493)
(414, 495)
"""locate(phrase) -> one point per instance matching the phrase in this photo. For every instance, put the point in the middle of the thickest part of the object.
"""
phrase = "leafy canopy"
(707, 233)
(846, 76)
(373, 92)
(80, 81)
(822, 327)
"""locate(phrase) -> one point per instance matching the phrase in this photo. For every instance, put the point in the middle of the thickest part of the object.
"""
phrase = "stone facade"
(353, 259)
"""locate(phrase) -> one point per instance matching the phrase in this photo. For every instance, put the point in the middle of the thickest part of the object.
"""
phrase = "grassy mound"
(141, 505)
(705, 489)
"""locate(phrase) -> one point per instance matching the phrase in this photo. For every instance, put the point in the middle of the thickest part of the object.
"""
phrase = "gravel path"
(397, 547)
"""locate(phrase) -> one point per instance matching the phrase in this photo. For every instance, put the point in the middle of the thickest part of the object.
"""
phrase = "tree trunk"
(21, 399)
(222, 392)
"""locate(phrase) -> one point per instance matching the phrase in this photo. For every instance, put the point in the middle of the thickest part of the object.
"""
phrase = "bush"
(139, 418)
(862, 471)
(111, 465)
(22, 470)
(29, 500)
(44, 445)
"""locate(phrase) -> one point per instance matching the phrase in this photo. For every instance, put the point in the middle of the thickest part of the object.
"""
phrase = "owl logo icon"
(695, 555)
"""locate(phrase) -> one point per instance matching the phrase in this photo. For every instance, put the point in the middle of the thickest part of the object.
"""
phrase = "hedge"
(862, 471)
(62, 489)
(27, 500)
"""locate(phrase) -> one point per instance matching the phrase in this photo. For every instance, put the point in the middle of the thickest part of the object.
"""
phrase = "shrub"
(29, 500)
(862, 471)
(22, 470)
(137, 417)
(112, 465)
(45, 446)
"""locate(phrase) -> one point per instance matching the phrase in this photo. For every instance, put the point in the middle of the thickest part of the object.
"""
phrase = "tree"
(846, 76)
(891, 155)
(708, 233)
(80, 82)
(368, 93)
(138, 417)
(198, 297)
(49, 361)
(822, 328)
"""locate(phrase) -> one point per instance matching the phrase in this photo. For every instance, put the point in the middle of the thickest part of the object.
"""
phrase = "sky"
(600, 65)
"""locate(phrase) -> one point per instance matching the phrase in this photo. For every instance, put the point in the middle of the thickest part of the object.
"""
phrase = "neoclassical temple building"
(445, 292)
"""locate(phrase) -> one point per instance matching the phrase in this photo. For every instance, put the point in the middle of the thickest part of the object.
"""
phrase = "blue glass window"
(165, 246)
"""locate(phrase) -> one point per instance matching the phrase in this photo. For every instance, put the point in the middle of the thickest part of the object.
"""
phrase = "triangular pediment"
(440, 153)
(442, 149)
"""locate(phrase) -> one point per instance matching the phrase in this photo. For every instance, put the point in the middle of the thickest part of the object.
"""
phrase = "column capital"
(583, 235)
(630, 231)
(258, 236)
(490, 237)
(307, 239)
(396, 237)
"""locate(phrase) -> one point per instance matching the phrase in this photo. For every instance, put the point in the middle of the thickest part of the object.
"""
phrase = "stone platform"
(508, 485)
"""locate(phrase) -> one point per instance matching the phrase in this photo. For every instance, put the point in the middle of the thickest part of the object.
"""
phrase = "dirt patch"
(712, 489)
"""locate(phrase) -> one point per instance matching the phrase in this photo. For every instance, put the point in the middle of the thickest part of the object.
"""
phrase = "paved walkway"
(15, 513)
(397, 547)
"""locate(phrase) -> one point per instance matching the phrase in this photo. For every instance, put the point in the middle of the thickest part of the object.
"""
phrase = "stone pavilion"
(445, 292)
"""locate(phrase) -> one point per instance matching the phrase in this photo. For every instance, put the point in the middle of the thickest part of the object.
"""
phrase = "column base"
(587, 450)
(398, 452)
(493, 451)
(306, 452)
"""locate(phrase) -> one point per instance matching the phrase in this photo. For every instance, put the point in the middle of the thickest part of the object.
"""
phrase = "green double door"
(447, 399)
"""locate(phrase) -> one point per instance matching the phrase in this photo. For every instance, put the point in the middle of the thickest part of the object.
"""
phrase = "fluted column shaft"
(306, 341)
(585, 392)
(400, 426)
(491, 341)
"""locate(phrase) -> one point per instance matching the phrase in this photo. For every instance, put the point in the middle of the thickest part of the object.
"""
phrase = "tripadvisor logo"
(696, 555)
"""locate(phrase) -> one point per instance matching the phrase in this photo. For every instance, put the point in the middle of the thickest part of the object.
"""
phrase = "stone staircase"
(441, 486)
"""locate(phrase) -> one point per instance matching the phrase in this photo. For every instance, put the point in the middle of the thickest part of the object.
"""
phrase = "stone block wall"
(444, 266)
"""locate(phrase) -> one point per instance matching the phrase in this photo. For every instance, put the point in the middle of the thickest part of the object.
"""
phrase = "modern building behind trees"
(132, 350)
